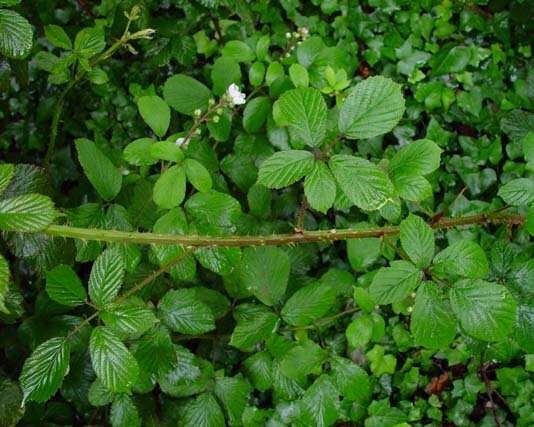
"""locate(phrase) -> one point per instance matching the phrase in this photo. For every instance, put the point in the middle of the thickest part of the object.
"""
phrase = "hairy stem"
(266, 240)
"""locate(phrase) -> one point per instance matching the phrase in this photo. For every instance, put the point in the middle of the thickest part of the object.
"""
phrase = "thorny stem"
(80, 75)
(146, 238)
(201, 120)
(136, 288)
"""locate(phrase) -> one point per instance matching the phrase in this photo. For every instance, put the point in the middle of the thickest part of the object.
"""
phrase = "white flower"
(236, 96)
(179, 141)
(304, 31)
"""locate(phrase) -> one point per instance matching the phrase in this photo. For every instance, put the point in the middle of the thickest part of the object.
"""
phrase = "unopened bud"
(219, 111)
(147, 33)
(197, 112)
(215, 119)
(288, 35)
(211, 101)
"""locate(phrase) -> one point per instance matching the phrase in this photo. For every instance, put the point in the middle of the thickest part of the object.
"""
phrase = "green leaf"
(463, 258)
(90, 41)
(214, 208)
(518, 192)
(198, 175)
(106, 278)
(138, 152)
(238, 51)
(417, 240)
(185, 94)
(28, 212)
(130, 319)
(97, 76)
(360, 331)
(11, 409)
(320, 187)
(373, 107)
(309, 304)
(16, 35)
(7, 171)
(303, 110)
(100, 171)
(112, 362)
(4, 283)
(225, 71)
(284, 168)
(258, 368)
(43, 371)
(381, 414)
(524, 327)
(182, 311)
(64, 286)
(233, 393)
(254, 325)
(166, 150)
(351, 380)
(302, 359)
(450, 61)
(156, 113)
(485, 310)
(155, 352)
(169, 190)
(203, 411)
(299, 75)
(124, 413)
(58, 37)
(265, 272)
(365, 184)
(363, 253)
(320, 403)
(432, 324)
(394, 283)
(256, 113)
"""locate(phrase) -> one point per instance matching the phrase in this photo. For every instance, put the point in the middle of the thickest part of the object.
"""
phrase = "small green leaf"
(16, 35)
(169, 190)
(302, 359)
(485, 310)
(365, 184)
(299, 75)
(463, 258)
(233, 393)
(224, 72)
(432, 323)
(373, 107)
(64, 286)
(284, 168)
(524, 327)
(351, 380)
(106, 278)
(198, 175)
(6, 173)
(256, 113)
(58, 37)
(303, 110)
(360, 331)
(28, 212)
(185, 94)
(43, 371)
(238, 51)
(137, 152)
(254, 325)
(182, 311)
(393, 284)
(320, 187)
(4, 283)
(166, 150)
(156, 113)
(112, 362)
(123, 412)
(258, 368)
(130, 319)
(100, 171)
(203, 411)
(90, 41)
(518, 192)
(417, 240)
(265, 272)
(320, 403)
(309, 304)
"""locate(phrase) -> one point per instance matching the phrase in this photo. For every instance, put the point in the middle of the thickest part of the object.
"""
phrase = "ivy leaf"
(169, 190)
(284, 168)
(432, 324)
(394, 283)
(185, 94)
(100, 171)
(303, 110)
(43, 371)
(233, 393)
(4, 283)
(254, 324)
(64, 286)
(373, 107)
(27, 212)
(16, 35)
(518, 192)
(182, 311)
(364, 183)
(7, 171)
(106, 278)
(309, 304)
(320, 187)
(123, 412)
(112, 362)
(417, 240)
(463, 258)
(156, 113)
(485, 310)
(265, 272)
(203, 411)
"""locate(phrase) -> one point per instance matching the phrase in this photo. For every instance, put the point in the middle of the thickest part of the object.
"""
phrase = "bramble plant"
(267, 213)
